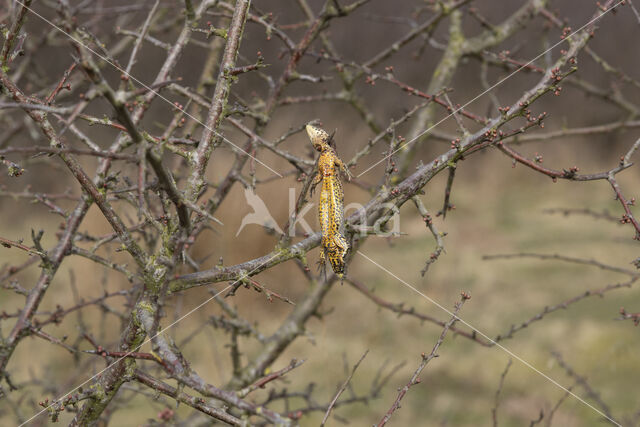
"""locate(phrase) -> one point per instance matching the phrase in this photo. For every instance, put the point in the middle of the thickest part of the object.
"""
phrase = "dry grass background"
(499, 209)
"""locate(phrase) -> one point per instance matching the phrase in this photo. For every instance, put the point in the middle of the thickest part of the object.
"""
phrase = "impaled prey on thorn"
(331, 203)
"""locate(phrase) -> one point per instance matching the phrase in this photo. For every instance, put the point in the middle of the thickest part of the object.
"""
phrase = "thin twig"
(496, 400)
(425, 359)
(342, 389)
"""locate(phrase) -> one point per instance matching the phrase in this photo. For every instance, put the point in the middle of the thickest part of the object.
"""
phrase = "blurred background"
(499, 209)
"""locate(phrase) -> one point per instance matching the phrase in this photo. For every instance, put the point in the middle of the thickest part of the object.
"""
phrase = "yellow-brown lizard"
(331, 203)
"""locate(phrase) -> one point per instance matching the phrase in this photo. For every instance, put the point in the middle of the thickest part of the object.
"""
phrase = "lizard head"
(319, 138)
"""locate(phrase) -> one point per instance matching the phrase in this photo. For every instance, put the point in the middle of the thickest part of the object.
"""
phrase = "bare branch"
(494, 410)
(425, 359)
(342, 388)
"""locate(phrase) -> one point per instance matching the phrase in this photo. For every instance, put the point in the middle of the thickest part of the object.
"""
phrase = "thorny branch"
(426, 358)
